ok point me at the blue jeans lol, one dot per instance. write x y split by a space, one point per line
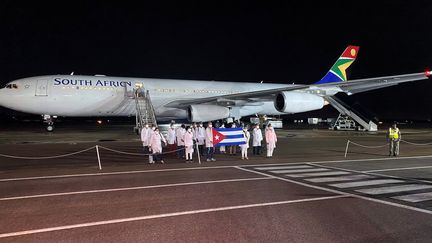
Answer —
210 152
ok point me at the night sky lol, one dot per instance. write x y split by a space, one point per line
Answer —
281 43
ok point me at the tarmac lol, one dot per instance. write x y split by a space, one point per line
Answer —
308 192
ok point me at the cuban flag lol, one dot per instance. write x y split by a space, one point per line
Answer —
228 136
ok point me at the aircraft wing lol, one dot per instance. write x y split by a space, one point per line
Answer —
349 87
362 85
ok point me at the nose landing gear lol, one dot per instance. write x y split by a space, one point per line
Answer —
49 120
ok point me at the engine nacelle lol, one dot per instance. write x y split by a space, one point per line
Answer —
295 102
203 113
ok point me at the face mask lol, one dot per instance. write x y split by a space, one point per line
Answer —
189 130
153 128
210 125
146 126
200 125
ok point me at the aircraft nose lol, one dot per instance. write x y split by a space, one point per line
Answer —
3 97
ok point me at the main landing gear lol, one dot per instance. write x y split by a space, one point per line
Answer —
49 120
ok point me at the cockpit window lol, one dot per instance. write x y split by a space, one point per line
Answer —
11 86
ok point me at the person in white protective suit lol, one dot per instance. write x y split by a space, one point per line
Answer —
201 138
156 141
271 140
209 142
188 142
244 147
171 139
180 143
257 137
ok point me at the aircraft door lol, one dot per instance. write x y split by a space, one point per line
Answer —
42 88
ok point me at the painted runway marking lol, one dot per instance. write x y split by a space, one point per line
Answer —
329 173
371 173
283 167
393 189
365 183
131 188
419 197
402 168
297 171
343 193
111 173
124 220
339 178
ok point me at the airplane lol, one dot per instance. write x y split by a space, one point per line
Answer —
195 100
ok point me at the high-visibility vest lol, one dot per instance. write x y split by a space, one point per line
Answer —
394 133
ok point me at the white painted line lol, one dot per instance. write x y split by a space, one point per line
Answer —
339 178
210 167
378 159
283 167
112 173
393 189
415 197
329 173
131 188
371 173
124 220
365 183
343 193
402 168
298 171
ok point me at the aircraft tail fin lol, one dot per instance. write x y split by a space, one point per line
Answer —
337 71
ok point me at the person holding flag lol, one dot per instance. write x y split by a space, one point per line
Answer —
228 137
222 149
209 142
244 147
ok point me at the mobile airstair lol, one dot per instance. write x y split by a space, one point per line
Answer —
145 113
347 114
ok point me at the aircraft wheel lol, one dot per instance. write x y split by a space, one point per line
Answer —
50 128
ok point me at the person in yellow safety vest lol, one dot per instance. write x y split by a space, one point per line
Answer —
394 137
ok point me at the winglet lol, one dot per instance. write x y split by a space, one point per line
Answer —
337 71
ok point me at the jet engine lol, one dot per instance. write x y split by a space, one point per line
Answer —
202 113
295 102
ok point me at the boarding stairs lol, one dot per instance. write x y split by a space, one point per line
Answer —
145 113
347 112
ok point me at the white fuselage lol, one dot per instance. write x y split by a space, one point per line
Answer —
80 96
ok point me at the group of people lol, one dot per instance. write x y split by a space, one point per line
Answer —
183 140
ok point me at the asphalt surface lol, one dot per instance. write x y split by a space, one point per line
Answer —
309 192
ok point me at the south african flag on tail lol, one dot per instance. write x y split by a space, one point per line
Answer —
337 71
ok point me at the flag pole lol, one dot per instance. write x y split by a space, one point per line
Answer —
199 157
